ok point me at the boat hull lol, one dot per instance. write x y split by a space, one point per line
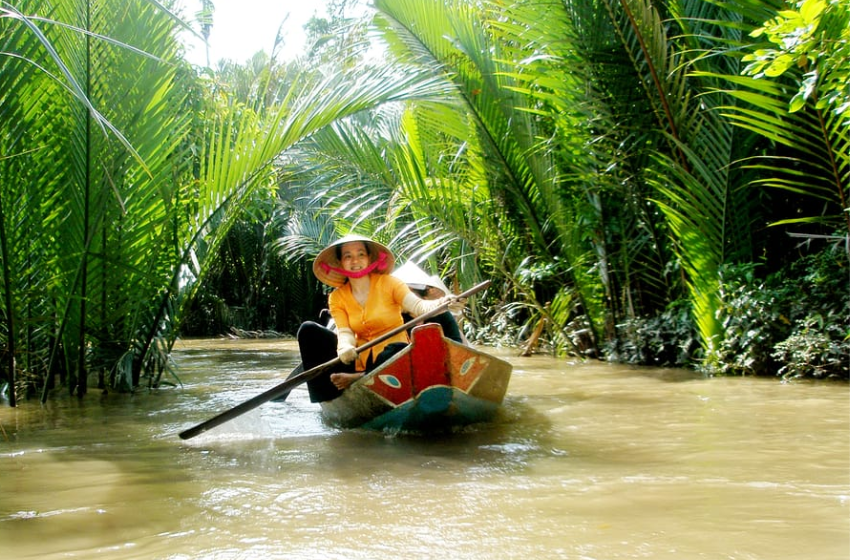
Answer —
433 384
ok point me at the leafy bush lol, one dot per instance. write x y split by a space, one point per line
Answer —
669 339
755 316
793 323
819 348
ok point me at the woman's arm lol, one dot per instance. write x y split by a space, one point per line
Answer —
416 306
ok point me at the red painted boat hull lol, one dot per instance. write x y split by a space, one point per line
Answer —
433 384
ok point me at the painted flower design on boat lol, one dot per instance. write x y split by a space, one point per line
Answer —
390 380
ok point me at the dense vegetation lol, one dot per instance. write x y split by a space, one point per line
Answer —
659 183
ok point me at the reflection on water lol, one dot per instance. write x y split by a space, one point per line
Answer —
584 461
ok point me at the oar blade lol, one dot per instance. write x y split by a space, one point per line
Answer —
283 388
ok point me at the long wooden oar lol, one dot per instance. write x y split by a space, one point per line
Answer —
305 376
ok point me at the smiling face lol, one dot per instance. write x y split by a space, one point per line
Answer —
354 256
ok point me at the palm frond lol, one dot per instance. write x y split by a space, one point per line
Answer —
816 162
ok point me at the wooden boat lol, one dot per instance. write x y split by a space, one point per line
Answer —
434 384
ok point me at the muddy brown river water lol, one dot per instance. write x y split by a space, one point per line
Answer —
586 461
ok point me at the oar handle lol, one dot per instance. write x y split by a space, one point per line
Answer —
305 376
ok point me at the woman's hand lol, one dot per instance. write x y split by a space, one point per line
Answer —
345 346
456 304
347 354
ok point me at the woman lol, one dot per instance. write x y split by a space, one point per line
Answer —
366 303
432 287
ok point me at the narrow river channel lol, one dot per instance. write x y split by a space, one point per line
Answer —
587 461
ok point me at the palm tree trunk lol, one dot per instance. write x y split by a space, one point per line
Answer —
82 370
10 312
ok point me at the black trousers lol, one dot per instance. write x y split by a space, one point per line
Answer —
317 345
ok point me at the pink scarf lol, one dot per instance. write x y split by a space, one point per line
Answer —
380 264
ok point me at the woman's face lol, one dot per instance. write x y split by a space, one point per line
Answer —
432 293
354 256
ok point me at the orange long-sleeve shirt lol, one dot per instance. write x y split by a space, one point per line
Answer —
382 313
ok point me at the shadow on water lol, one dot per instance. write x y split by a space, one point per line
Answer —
514 439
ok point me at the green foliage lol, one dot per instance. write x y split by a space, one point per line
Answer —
796 97
818 348
790 323
589 139
88 185
692 151
669 339
815 38
253 286
338 38
118 190
754 317
605 160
